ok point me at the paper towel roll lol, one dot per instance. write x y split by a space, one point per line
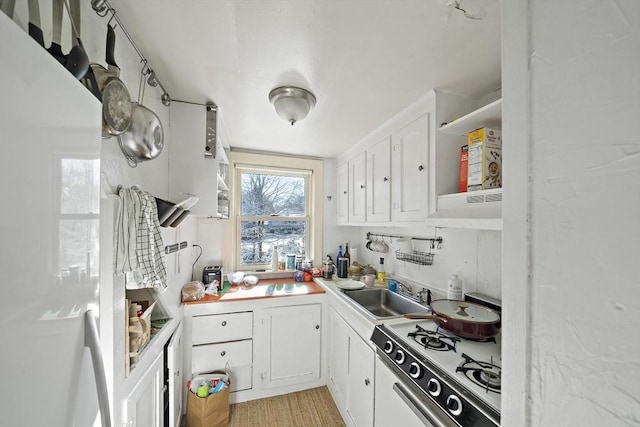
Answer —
354 254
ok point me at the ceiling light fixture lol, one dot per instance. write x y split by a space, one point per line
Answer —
292 103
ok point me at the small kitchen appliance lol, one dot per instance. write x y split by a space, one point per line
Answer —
456 380
211 274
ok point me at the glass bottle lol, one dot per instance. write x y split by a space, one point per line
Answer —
347 255
381 278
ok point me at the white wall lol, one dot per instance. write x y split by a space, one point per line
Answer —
475 255
582 272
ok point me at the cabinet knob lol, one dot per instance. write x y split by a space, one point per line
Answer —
366 381
385 179
344 192
420 168
317 326
222 353
224 323
361 185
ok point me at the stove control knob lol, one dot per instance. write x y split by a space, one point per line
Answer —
388 347
454 405
433 385
400 357
415 371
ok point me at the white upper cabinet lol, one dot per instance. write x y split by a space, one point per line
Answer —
190 171
410 176
357 188
408 170
342 188
378 182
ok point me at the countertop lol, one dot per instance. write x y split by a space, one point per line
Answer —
266 288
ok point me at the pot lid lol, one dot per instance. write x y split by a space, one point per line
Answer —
465 311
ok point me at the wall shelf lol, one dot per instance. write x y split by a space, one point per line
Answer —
488 116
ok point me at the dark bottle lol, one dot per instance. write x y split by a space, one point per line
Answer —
342 268
339 252
346 254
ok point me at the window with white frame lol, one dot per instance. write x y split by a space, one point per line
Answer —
274 209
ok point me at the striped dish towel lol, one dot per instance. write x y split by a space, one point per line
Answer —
138 247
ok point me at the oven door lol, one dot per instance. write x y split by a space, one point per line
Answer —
398 404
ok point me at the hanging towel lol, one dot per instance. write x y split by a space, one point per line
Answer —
138 249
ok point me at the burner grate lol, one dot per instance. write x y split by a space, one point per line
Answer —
487 375
433 340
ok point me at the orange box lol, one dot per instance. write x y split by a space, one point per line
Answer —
464 168
485 159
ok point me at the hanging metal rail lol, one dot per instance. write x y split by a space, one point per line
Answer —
103 8
437 240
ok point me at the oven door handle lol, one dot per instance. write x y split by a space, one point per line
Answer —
426 414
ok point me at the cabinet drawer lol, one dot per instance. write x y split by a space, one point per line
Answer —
222 327
234 357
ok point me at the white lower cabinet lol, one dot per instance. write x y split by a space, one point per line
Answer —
143 407
351 373
293 337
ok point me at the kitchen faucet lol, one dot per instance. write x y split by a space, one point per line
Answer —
407 288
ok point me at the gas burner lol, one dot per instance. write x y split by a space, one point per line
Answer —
487 375
433 340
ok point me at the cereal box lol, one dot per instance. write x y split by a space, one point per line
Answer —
485 159
464 168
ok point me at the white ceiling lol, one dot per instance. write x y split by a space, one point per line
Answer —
364 60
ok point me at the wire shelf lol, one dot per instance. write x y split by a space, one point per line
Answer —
415 257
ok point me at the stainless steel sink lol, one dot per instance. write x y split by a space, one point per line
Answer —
381 303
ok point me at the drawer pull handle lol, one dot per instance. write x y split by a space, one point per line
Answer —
222 353
420 168
366 381
224 323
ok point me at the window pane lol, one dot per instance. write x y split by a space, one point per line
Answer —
80 190
264 194
258 237
76 249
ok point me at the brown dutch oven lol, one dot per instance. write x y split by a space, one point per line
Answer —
465 319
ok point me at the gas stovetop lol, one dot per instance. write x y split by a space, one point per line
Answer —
475 365
459 375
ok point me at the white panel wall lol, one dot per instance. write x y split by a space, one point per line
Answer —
475 255
583 275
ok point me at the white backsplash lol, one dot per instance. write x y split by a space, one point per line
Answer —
475 255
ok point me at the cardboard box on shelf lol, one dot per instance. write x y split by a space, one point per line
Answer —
485 159
464 168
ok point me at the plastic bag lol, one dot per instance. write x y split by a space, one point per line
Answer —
193 291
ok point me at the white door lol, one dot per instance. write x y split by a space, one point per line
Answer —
144 405
357 188
360 383
342 187
176 382
379 181
293 354
409 153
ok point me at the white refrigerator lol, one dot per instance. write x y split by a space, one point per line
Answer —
50 367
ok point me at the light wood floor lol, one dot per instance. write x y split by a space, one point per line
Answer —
307 408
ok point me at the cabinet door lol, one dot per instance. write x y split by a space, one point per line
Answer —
409 153
175 380
293 353
360 382
342 188
338 359
189 170
357 187
144 405
378 184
